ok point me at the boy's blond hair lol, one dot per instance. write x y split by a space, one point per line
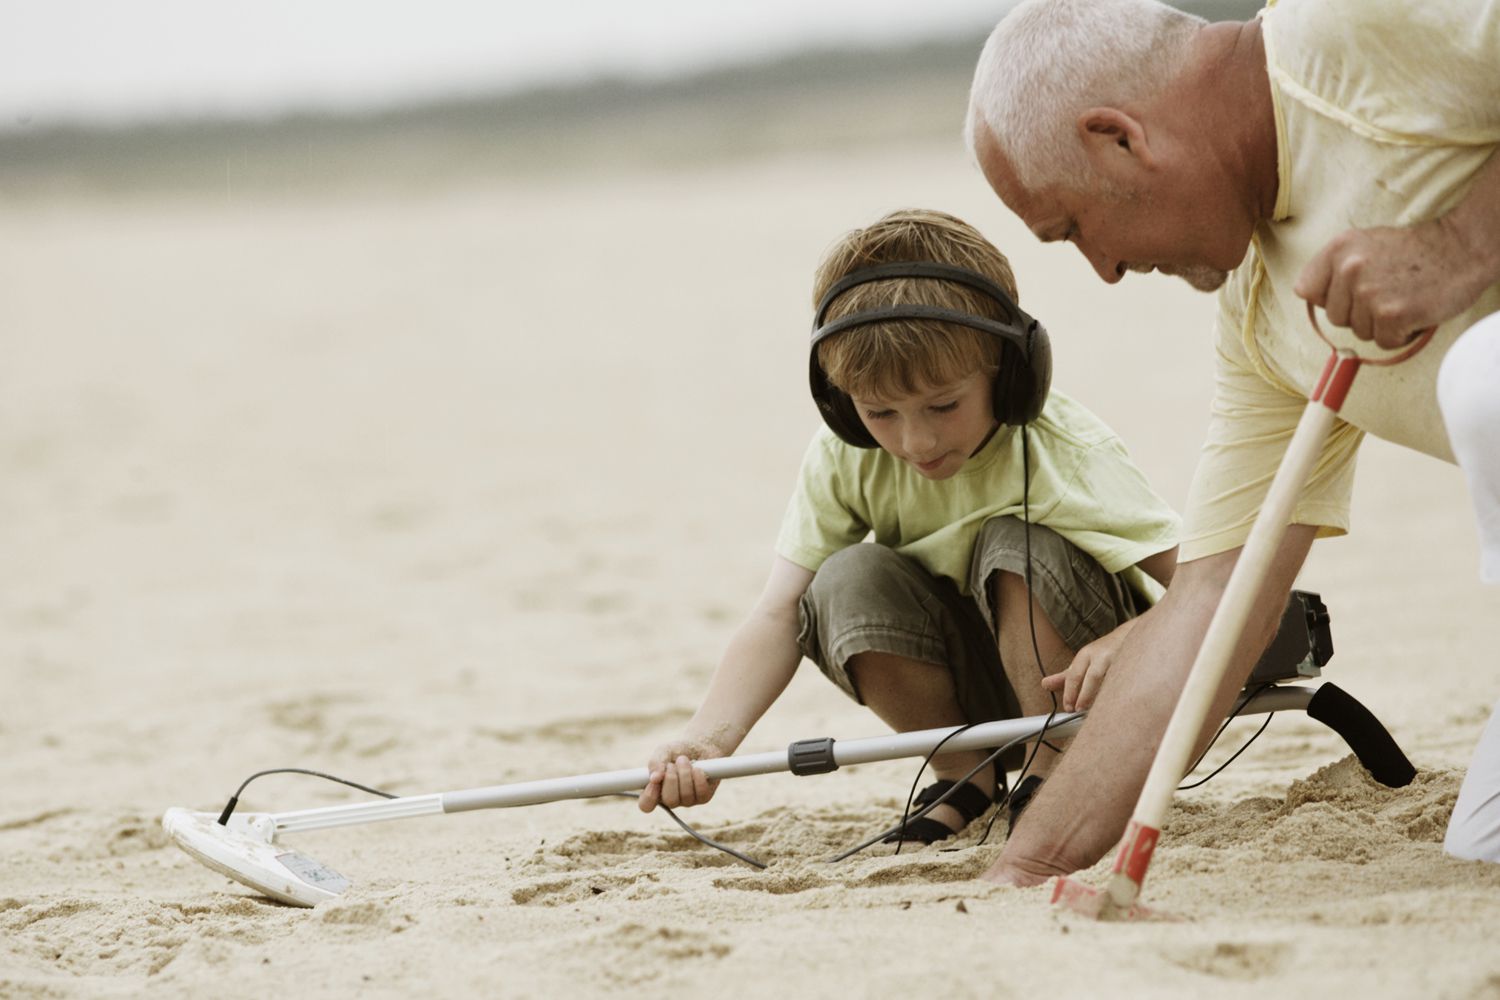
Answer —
902 356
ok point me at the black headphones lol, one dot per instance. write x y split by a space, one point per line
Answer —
1025 352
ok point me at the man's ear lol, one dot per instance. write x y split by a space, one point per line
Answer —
1114 140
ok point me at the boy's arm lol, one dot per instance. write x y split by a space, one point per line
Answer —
756 667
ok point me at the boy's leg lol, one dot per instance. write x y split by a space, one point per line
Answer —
1016 611
1071 601
895 639
909 694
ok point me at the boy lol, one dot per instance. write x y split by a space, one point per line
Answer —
930 623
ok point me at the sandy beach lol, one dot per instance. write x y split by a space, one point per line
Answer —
469 485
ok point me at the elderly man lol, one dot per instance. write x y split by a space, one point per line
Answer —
1337 152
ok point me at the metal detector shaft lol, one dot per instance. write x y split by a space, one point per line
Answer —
795 758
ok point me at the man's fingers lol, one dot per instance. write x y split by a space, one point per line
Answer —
1091 685
1337 300
1312 283
1054 681
1075 677
1361 320
1394 331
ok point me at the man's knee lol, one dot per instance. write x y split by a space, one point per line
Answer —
1474 830
1471 413
1475 837
1466 386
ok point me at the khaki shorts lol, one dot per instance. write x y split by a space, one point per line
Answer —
869 598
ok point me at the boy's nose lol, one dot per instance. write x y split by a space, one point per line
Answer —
919 441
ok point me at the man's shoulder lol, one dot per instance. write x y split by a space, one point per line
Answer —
1334 26
1398 69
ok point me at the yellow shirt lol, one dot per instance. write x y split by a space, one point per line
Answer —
1385 112
1083 486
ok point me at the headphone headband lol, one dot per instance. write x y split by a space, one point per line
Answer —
919 269
1020 387
1020 335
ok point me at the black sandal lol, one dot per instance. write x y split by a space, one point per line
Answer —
969 802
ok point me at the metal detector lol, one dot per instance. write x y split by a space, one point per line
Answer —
245 846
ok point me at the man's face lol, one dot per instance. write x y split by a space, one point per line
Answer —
1119 228
935 429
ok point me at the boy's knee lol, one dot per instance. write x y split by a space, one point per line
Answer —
1068 588
862 575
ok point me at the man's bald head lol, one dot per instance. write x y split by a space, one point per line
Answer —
1048 61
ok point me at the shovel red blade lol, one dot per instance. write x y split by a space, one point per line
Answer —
1096 904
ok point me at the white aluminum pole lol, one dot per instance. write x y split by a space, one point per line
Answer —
845 752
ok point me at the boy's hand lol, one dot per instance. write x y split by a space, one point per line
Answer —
674 780
1080 683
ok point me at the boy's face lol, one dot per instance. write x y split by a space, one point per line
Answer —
936 429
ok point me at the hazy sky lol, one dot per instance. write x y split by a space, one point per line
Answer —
118 60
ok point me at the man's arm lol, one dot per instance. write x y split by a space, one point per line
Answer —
1161 566
1081 810
1386 283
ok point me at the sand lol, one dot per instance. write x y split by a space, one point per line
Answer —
467 487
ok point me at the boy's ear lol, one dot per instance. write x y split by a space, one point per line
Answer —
1114 141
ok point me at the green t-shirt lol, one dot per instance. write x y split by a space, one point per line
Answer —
1083 486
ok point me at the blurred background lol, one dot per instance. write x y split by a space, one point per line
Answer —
224 99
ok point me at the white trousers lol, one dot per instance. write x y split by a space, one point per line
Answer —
1469 395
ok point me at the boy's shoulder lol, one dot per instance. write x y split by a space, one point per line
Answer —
1069 421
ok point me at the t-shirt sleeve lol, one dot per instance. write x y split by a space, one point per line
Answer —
1109 510
820 518
1251 422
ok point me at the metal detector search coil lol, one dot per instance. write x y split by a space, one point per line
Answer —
243 850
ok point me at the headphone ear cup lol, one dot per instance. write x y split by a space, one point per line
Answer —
842 418
835 406
1023 383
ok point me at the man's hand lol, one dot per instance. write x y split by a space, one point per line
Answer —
1081 681
1388 284
675 781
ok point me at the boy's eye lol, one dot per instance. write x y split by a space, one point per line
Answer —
878 414
945 407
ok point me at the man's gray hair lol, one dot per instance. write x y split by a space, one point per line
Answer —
1047 61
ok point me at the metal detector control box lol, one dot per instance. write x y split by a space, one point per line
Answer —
1303 643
